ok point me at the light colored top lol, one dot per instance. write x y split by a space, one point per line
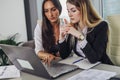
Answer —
82 44
38 38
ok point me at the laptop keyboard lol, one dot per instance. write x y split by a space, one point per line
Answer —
57 69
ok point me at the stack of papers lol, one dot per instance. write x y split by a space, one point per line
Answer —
81 62
93 74
9 72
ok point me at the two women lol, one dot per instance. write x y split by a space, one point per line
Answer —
86 35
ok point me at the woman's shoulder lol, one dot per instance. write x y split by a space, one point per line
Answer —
39 21
102 25
38 26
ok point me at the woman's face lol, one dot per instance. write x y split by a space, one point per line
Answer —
51 12
73 13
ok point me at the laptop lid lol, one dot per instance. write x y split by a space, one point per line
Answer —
25 59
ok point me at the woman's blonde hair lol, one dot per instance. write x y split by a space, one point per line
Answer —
89 16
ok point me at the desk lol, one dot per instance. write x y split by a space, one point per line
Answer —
26 76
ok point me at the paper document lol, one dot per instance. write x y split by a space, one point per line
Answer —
81 62
93 74
9 71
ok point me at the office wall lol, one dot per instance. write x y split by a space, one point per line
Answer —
39 8
33 15
111 7
64 13
98 6
32 7
12 19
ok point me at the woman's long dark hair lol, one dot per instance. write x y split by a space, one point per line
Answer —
48 39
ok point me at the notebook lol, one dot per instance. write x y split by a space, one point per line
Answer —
81 62
25 59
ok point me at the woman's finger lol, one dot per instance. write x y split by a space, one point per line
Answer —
66 22
51 58
46 59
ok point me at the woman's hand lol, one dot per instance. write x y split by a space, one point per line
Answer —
69 29
73 31
46 57
63 30
62 25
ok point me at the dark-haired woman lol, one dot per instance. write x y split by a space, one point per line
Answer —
46 34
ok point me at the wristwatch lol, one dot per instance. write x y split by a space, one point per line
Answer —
81 37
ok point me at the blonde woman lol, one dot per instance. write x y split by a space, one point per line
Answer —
87 33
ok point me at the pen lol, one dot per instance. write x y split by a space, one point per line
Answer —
77 61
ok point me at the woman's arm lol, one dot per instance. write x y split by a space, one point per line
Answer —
64 48
95 50
38 38
46 57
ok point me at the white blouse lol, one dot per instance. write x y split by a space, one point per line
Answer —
38 38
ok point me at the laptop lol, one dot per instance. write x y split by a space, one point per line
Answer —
25 59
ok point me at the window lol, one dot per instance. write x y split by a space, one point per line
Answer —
111 7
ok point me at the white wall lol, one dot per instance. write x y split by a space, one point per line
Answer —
12 19
98 6
64 13
39 9
111 7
